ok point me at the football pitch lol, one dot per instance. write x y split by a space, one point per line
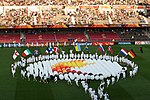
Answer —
136 88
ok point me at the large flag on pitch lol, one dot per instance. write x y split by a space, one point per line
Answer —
78 47
110 49
56 50
131 53
15 55
124 52
36 52
101 49
87 48
49 50
26 53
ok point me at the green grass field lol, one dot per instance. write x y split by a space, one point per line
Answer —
137 88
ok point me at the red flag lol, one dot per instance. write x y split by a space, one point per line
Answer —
101 49
56 50
15 55
132 54
110 49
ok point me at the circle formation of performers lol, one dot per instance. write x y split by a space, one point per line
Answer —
77 68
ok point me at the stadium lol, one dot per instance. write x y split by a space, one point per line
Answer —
74 49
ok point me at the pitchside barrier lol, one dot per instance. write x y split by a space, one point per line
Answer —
124 43
8 45
142 42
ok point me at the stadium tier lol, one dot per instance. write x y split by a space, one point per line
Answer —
9 38
63 37
132 35
57 37
108 36
40 38
74 35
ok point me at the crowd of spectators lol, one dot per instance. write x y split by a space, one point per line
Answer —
69 15
69 2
